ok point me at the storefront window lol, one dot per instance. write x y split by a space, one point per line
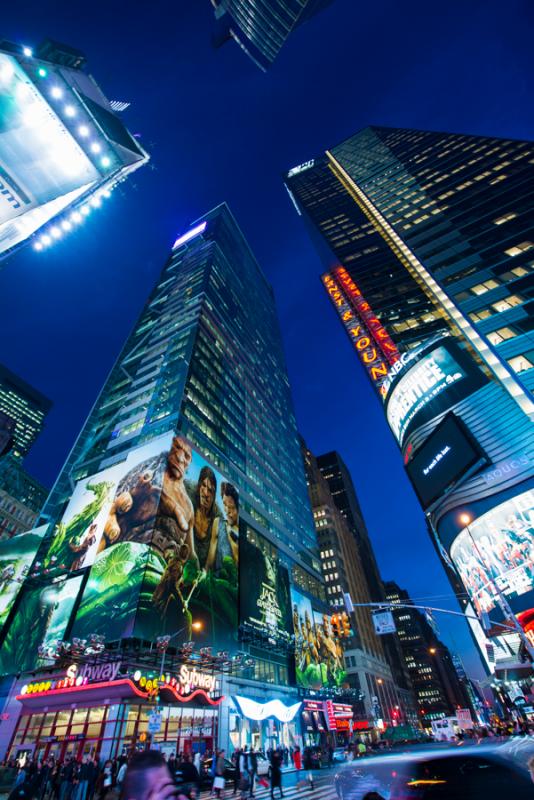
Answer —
96 714
48 723
63 719
174 723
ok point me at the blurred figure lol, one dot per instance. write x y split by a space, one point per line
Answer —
277 759
148 778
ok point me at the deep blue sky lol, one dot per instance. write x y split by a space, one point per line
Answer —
219 129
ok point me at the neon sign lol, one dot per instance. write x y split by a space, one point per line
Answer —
272 708
76 676
376 350
196 231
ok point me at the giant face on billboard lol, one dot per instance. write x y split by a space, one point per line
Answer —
42 166
497 549
441 376
319 657
264 601
167 556
16 557
41 619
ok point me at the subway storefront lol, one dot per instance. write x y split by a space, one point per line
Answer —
122 710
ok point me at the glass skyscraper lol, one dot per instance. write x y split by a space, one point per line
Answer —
23 405
427 242
261 27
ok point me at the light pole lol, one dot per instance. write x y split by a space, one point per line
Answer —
162 642
465 519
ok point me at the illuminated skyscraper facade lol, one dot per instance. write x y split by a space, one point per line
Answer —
427 243
62 149
261 27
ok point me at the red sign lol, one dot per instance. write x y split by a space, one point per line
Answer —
361 725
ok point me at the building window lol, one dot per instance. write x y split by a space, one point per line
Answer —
481 288
522 362
483 313
507 302
517 249
505 218
500 335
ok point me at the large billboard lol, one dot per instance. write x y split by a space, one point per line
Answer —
442 460
319 657
264 600
42 166
441 376
168 553
41 619
16 557
497 550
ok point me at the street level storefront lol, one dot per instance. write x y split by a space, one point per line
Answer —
108 710
264 725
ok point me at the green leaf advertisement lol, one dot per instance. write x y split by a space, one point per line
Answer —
16 557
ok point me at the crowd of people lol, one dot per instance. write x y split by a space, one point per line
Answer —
71 779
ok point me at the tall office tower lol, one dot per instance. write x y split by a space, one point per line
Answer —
339 480
344 572
21 498
184 556
437 686
261 27
62 149
427 243
24 408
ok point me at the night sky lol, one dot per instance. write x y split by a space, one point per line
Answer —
219 129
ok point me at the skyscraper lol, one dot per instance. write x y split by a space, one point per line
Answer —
369 668
261 27
179 548
25 406
427 244
437 686
62 148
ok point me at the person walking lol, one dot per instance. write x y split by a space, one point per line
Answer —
218 781
252 771
309 764
277 759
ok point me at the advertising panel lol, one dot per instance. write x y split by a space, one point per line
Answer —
16 557
319 657
444 458
264 601
498 548
41 619
438 379
110 506
191 579
42 166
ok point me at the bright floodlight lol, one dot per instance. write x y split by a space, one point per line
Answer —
27 51
76 216
95 201
46 239
106 194
42 72
86 210
70 111
38 246
105 161
56 232
66 225
95 147
56 92
83 130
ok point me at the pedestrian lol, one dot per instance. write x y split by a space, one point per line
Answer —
66 779
362 749
82 778
330 756
297 760
148 778
218 780
252 771
106 780
190 774
197 761
277 759
309 764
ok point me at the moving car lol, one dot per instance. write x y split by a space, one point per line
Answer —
466 773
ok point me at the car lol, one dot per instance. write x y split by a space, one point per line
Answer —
466 773
339 755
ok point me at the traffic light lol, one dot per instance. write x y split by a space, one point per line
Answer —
336 625
345 625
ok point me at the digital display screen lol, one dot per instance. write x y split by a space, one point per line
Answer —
495 550
319 655
442 460
438 379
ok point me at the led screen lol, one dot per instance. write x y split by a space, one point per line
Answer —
41 619
168 556
441 461
497 548
40 160
319 658
439 379
16 557
264 601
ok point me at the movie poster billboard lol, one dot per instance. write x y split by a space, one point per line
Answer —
16 557
497 549
41 619
168 553
264 601
191 580
319 658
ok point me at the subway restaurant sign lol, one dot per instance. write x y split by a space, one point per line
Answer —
76 675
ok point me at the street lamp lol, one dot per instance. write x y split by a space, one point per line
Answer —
162 642
432 651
